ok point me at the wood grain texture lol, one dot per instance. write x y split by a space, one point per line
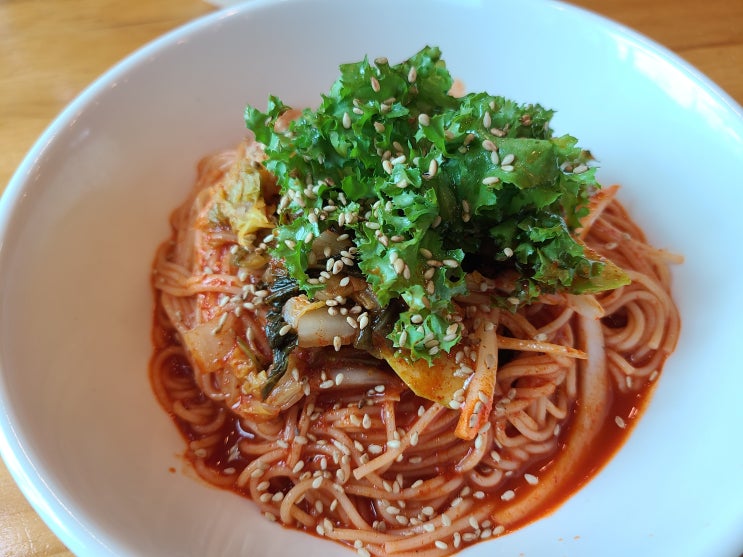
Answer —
50 51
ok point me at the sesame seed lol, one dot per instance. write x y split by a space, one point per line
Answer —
580 169
424 119
387 166
374 448
490 180
327 384
508 495
403 338
374 84
399 266
531 479
284 330
507 167
488 145
393 444
346 120
440 544
379 126
479 442
412 74
620 422
298 467
433 168
508 159
486 120
451 263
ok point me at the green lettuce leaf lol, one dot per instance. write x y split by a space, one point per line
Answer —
414 174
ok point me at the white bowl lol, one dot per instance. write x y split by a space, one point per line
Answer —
81 431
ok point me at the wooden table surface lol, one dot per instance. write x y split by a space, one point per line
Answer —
50 51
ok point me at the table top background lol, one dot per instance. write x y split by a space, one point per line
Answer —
50 51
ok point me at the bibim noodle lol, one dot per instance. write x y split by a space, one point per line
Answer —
341 447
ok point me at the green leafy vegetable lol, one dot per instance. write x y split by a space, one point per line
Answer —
423 183
281 344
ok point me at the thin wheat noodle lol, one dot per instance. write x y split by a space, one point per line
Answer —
381 467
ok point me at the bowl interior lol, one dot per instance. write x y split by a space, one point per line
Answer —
80 222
